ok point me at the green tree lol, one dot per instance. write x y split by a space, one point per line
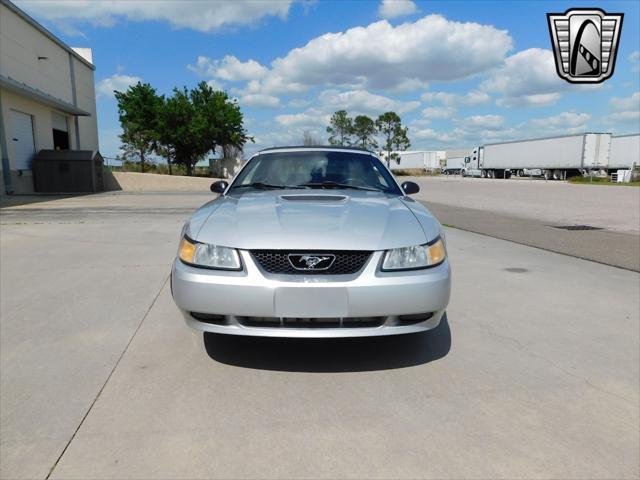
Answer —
364 130
223 118
138 111
193 123
340 128
394 135
178 130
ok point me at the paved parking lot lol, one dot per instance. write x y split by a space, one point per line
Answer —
534 212
534 374
613 208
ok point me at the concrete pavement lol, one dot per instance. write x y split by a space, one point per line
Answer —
614 208
611 247
535 373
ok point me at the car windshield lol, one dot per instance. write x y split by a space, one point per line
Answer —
316 169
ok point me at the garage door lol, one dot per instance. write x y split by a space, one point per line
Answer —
22 140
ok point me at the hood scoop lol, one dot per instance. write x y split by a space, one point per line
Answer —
314 198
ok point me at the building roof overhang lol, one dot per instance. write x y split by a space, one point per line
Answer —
25 90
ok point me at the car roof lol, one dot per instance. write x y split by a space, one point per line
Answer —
315 148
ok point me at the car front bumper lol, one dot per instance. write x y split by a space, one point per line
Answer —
368 303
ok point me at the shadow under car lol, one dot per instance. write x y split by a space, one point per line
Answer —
330 354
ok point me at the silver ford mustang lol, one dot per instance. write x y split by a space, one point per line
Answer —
312 242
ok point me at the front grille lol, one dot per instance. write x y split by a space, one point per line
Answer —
277 261
295 322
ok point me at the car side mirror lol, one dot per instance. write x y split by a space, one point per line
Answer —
219 187
410 188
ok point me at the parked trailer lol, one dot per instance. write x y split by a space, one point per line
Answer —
453 166
428 160
552 157
625 151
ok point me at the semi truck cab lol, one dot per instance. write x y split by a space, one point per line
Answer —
473 163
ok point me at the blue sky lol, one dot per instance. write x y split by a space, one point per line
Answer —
459 73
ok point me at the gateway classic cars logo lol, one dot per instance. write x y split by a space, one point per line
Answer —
585 43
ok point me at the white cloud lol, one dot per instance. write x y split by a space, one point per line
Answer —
421 122
631 102
68 28
625 109
488 122
197 15
396 8
388 57
562 122
260 100
423 133
310 118
471 99
527 78
117 82
299 103
438 112
624 117
229 68
462 137
362 101
215 84
409 85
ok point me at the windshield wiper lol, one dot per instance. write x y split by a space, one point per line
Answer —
330 184
266 186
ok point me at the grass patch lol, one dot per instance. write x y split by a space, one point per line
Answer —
414 172
602 181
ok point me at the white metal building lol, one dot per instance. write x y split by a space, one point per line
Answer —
47 96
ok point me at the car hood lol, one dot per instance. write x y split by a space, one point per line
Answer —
318 220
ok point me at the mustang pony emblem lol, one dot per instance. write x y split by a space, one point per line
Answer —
311 262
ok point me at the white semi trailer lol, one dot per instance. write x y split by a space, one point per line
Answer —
552 157
454 165
428 160
625 151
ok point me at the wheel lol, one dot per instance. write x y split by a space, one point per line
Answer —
483 174
520 173
507 174
463 173
491 174
547 174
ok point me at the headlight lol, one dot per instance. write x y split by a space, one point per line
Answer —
208 256
418 256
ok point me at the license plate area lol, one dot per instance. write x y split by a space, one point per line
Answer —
326 302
